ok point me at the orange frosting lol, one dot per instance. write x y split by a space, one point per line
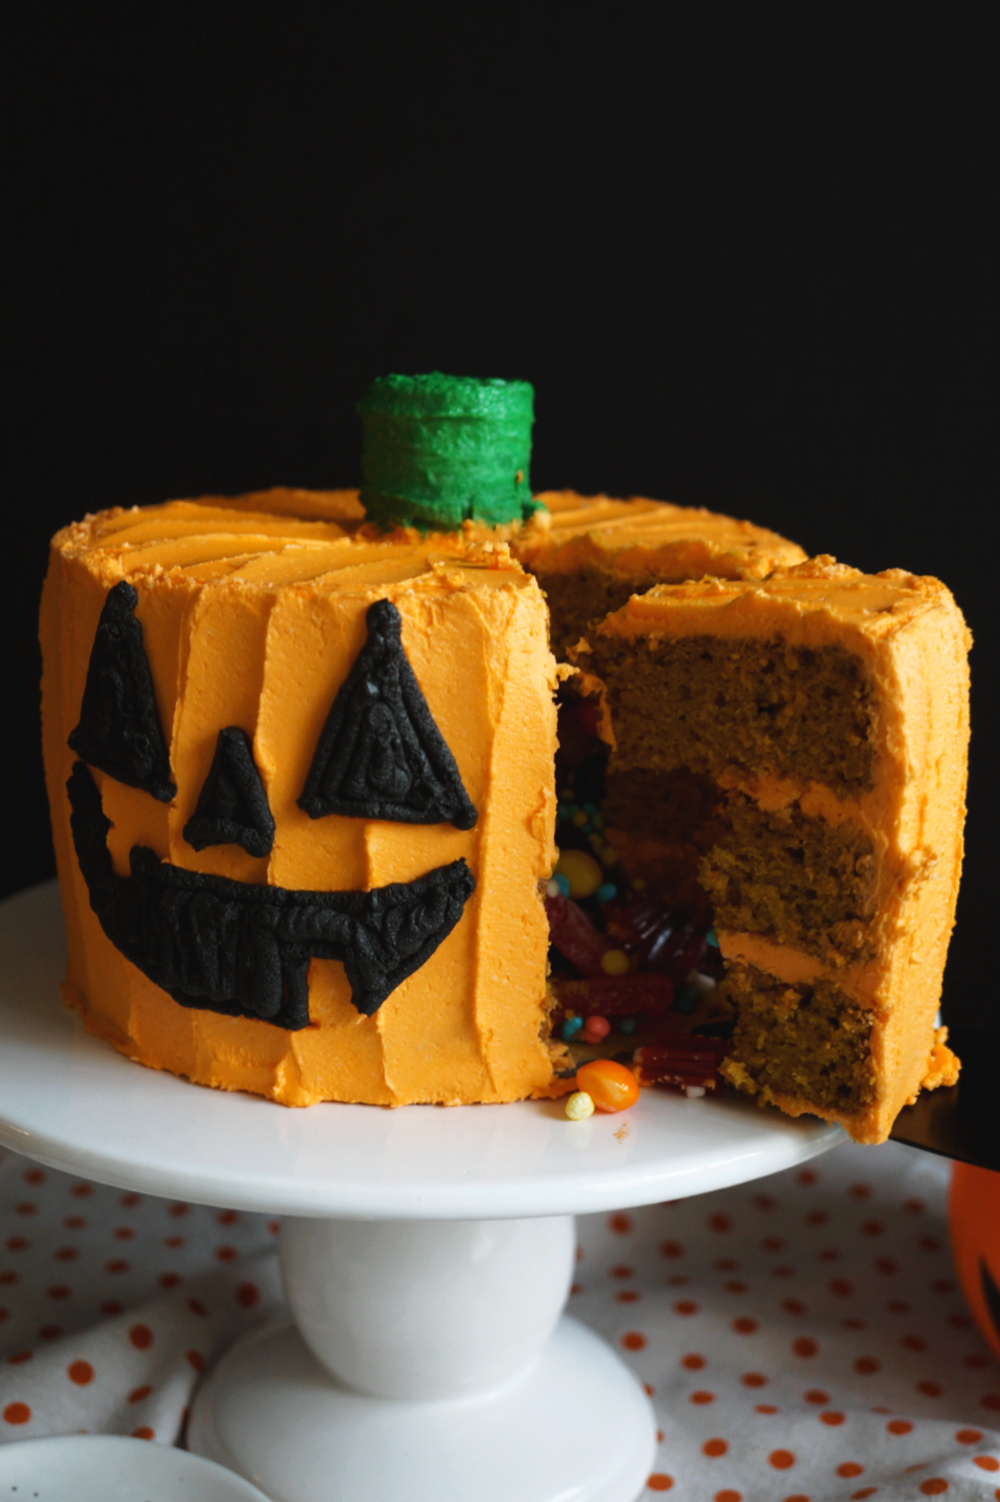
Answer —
252 614
914 642
638 537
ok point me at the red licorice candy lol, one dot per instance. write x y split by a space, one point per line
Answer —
680 1059
575 937
615 995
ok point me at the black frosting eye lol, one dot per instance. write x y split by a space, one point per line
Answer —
119 729
380 754
232 807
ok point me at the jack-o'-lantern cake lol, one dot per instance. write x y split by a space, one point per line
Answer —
302 759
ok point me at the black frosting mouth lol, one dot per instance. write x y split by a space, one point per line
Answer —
244 950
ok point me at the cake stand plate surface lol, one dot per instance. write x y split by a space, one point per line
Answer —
427 1254
68 1100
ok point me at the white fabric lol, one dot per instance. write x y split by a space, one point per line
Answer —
803 1336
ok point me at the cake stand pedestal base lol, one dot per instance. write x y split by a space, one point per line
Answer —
429 1362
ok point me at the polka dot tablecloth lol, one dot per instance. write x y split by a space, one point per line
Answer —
803 1337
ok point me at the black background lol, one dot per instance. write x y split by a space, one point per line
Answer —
746 254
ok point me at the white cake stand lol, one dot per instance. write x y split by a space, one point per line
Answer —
427 1254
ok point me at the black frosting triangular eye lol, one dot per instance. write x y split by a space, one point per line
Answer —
380 755
119 729
232 807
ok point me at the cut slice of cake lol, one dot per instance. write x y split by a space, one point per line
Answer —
830 710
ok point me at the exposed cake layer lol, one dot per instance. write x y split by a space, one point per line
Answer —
808 1044
831 708
811 885
591 553
253 618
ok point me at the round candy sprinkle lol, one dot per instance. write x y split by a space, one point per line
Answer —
626 1025
614 962
571 1027
612 1087
580 819
579 1106
606 892
439 450
712 938
581 871
694 1092
596 1029
561 884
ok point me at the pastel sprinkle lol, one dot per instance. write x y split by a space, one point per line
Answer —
606 892
553 889
694 1092
596 1029
626 1025
614 962
581 871
579 1106
712 938
561 884
571 1027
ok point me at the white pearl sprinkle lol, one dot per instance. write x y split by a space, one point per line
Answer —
694 1092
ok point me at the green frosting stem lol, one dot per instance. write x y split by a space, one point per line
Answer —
440 450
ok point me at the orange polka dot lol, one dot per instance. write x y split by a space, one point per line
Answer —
933 1486
929 1389
843 1287
66 1254
736 1287
693 1362
123 1233
576 1288
765 1408
815 1396
82 1191
128 1200
620 1224
141 1337
139 1394
174 1241
18 1357
799 1497
831 1417
720 1222
627 1296
782 1460
671 1249
754 1379
144 1433
885 1265
793 1306
111 1307
119 1265
179 1209
860 1191
702 1397
35 1176
744 1325
986 1462
649 1391
686 1306
969 1436
621 1271
659 1482
196 1359
866 1365
804 1347
633 1340
227 1217
807 1176
226 1253
728 1496
772 1243
49 1332
899 1426
169 1280
17 1413
714 1447
196 1306
866 1491
850 1468
80 1372
914 1342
